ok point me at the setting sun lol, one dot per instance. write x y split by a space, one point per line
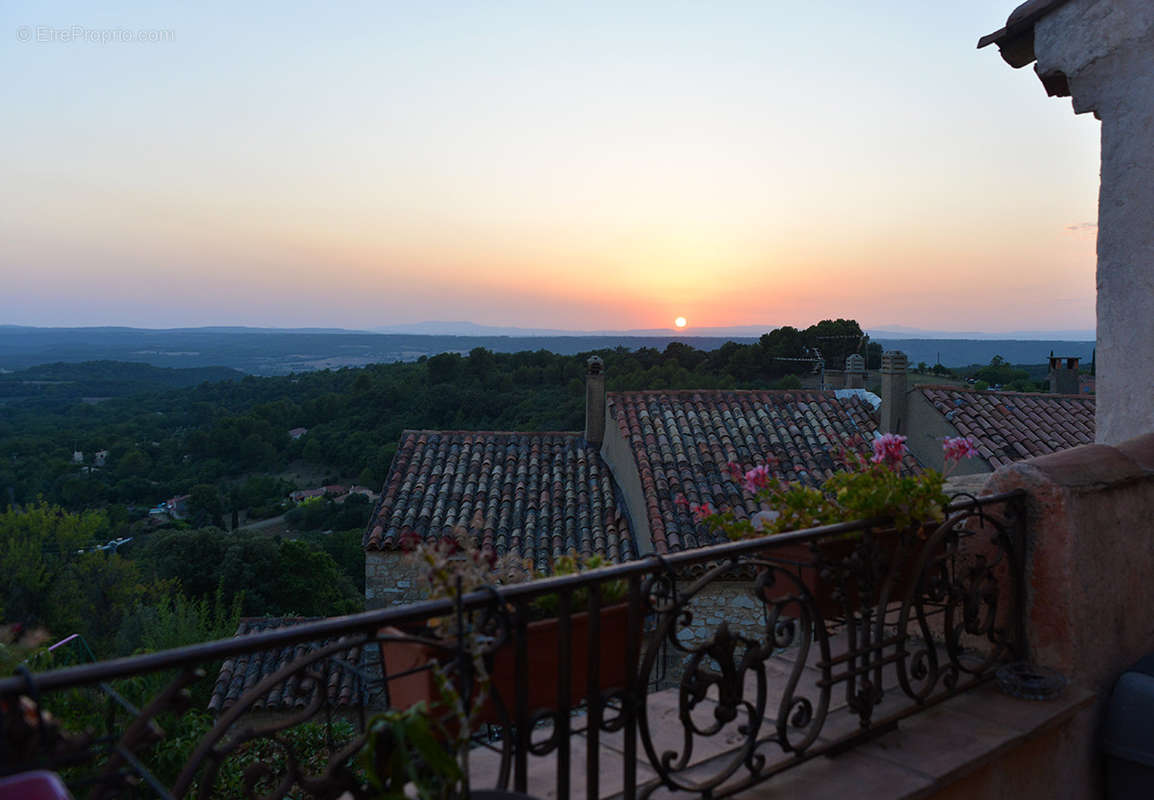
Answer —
680 322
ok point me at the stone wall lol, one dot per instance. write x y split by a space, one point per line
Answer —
724 601
1104 51
390 581
1090 556
1090 573
730 602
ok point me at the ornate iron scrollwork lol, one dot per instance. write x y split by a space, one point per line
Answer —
910 612
864 624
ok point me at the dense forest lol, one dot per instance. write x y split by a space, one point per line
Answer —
232 437
77 536
99 380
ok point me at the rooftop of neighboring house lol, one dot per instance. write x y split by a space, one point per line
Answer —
239 674
1010 426
683 441
538 495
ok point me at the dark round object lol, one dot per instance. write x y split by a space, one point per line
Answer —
1030 682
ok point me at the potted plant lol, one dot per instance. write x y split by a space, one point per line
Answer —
455 564
407 747
422 752
879 488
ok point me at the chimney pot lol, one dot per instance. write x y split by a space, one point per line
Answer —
594 400
894 400
1064 377
854 371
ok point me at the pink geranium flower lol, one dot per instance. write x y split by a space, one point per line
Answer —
889 449
959 447
757 479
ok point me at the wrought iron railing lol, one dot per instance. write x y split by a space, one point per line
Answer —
778 650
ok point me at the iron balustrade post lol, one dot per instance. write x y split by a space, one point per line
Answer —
521 699
1019 548
593 698
634 687
564 673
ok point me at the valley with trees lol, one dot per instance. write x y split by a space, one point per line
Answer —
78 533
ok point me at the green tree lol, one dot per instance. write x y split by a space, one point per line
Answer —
175 620
52 577
38 546
92 596
133 464
836 339
443 367
310 583
313 514
192 559
205 505
347 551
1000 373
352 513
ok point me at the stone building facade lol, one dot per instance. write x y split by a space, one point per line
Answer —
1100 53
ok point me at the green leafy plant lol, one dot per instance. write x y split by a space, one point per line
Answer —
456 562
408 747
878 488
611 591
422 750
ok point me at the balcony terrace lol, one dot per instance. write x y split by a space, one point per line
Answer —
860 659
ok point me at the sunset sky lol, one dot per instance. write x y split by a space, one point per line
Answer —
564 165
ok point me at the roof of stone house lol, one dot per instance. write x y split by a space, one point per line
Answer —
239 674
538 495
683 442
1010 426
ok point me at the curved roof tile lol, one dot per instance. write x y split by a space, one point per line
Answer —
530 490
1011 426
239 674
683 441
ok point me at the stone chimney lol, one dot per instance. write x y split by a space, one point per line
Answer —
1063 375
595 400
854 371
894 400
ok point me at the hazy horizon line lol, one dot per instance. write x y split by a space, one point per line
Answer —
467 329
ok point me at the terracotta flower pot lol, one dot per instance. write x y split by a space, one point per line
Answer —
542 637
798 558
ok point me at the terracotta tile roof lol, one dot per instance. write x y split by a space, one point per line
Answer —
1010 426
682 442
238 675
540 495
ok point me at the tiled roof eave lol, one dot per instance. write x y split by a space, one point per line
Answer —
538 494
682 440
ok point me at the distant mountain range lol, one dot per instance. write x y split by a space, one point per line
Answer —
276 351
905 332
434 328
443 328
